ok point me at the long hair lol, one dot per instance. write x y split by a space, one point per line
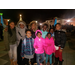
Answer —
9 30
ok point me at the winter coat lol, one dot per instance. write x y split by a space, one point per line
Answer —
39 42
27 47
49 46
20 33
60 38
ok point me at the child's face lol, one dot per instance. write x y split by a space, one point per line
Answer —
58 27
51 31
12 25
44 28
28 34
33 26
49 35
39 35
21 26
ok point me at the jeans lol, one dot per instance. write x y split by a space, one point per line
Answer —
38 60
13 52
50 58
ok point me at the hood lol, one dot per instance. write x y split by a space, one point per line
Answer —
21 22
31 24
37 31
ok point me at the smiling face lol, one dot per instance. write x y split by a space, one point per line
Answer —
39 34
28 34
44 28
49 35
12 25
58 27
21 26
51 31
33 26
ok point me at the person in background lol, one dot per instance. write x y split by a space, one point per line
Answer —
1 31
39 47
60 40
33 27
20 34
27 51
49 47
44 30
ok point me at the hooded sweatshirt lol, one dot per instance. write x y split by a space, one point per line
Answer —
39 42
20 33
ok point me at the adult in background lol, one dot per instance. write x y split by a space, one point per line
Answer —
20 34
33 27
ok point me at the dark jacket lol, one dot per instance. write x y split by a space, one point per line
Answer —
60 38
33 34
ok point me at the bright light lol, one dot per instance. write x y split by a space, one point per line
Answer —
40 23
1 13
36 21
20 15
8 20
68 20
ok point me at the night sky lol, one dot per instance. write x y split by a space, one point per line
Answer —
40 15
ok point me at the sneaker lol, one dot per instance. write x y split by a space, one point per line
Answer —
40 63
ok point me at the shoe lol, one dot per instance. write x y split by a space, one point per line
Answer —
11 62
56 61
60 62
40 63
15 63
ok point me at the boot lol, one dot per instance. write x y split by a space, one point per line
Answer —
15 62
60 62
56 61
11 61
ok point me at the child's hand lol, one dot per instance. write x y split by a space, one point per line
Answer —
60 50
22 57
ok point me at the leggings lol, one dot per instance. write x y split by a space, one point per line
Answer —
50 58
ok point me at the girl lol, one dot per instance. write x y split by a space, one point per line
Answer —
12 43
20 33
49 47
39 47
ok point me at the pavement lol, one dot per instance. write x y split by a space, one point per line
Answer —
68 52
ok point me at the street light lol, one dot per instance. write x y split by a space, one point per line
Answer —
36 21
68 20
8 20
40 23
20 15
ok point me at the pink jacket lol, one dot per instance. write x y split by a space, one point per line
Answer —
39 42
49 46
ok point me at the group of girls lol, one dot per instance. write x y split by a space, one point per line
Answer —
30 46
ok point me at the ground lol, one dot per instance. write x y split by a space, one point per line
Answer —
68 52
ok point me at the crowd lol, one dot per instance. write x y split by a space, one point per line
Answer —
33 46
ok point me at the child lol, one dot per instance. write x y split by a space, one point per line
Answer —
49 47
12 43
52 34
27 52
60 40
44 32
33 27
39 47
20 34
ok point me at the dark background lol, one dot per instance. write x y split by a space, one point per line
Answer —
36 14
